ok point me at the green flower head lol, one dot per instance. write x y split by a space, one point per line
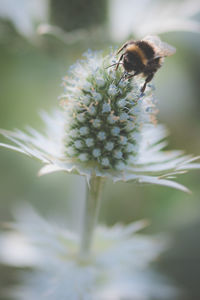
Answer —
104 114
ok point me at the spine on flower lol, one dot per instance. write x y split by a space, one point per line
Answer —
104 118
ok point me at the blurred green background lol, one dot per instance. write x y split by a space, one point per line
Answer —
31 68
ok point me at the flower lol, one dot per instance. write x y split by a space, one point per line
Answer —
132 18
107 128
151 17
118 266
25 18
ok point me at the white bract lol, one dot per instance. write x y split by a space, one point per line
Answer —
113 135
117 268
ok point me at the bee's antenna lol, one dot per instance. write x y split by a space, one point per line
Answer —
114 65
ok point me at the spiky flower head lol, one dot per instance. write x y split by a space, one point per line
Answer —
105 115
106 128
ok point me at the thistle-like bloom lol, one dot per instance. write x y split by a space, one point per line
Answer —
107 128
119 266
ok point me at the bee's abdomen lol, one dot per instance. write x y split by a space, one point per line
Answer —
146 49
152 66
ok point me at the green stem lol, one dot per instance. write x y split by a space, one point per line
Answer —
91 211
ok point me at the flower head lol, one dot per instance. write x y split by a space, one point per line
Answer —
103 117
106 128
118 267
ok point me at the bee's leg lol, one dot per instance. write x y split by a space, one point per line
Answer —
128 76
148 79
118 63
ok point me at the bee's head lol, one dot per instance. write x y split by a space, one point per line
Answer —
132 61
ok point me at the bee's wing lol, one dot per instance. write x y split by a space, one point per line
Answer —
162 49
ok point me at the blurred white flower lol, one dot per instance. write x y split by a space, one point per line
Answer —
128 17
24 14
109 134
140 18
117 268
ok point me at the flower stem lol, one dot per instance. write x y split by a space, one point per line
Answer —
91 211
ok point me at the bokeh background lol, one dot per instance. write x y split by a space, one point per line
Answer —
39 40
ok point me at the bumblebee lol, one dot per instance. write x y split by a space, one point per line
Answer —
143 57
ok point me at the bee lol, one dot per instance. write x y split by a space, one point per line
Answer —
143 57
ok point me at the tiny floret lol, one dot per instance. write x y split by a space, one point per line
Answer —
85 99
105 162
73 133
101 135
123 140
112 90
111 119
97 96
92 110
81 117
115 131
96 152
106 108
121 103
71 151
96 123
78 144
124 116
89 142
84 130
118 154
87 86
109 146
130 126
100 82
